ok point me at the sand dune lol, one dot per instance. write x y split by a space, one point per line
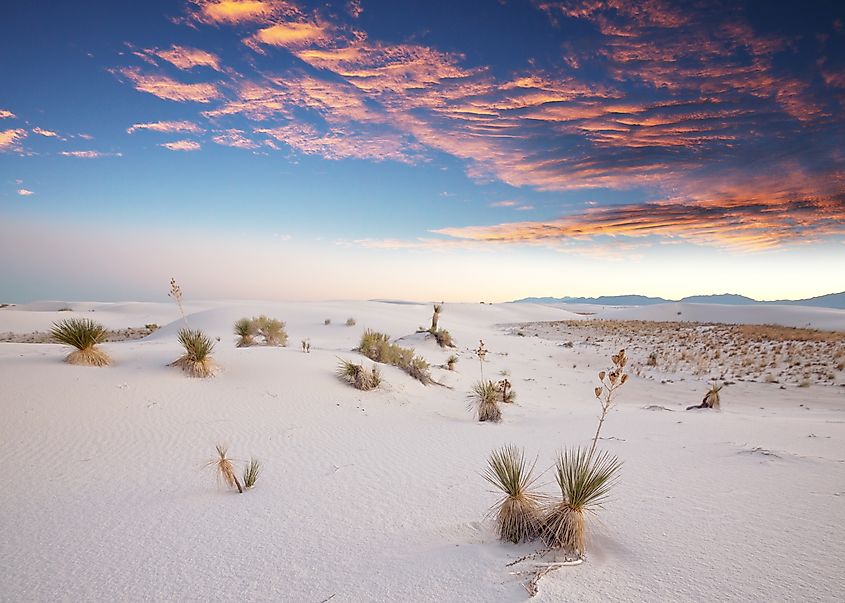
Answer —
378 495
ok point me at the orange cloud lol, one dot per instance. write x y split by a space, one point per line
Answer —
292 34
6 114
235 11
166 126
10 139
181 145
170 89
188 58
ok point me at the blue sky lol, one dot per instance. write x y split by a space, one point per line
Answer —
437 150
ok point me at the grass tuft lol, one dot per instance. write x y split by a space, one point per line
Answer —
483 400
196 361
585 480
251 473
83 334
357 376
225 469
519 511
377 347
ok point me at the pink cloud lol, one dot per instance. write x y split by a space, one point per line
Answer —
166 126
10 139
45 133
89 154
181 145
4 114
24 192
184 57
169 89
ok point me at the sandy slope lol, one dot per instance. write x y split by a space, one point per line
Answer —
377 495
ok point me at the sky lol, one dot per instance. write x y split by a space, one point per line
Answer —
458 151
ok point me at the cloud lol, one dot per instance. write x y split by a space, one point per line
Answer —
181 145
234 138
24 192
169 89
238 11
45 133
4 114
292 34
89 154
10 139
184 57
166 126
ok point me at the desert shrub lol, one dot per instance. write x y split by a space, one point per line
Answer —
377 347
351 322
272 330
451 361
151 326
483 400
246 329
359 377
519 510
652 359
327 322
225 469
506 391
251 473
196 361
585 480
443 338
84 335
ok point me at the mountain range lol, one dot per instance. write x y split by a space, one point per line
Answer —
831 300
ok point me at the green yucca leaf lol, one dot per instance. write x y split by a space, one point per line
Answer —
586 479
198 345
81 333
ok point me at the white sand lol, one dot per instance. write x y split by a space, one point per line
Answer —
377 496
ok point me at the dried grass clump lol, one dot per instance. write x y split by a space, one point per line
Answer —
84 335
196 361
519 511
272 330
483 400
359 377
246 330
377 347
506 391
585 479
443 338
327 322
225 469
251 473
351 322
711 398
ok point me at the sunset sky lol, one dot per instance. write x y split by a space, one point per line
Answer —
462 151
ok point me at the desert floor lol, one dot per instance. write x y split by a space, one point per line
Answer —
378 496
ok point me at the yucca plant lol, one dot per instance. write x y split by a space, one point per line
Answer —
443 338
251 472
374 345
225 469
357 376
435 317
585 479
506 391
272 330
196 361
418 369
377 347
84 335
351 322
451 361
519 510
484 401
246 330
711 398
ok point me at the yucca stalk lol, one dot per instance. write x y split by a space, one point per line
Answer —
196 361
585 479
246 330
225 469
435 317
251 472
483 400
84 335
519 510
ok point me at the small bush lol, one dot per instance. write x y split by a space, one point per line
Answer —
196 361
327 322
377 347
351 322
84 335
518 512
246 330
585 480
443 338
272 330
484 401
451 361
359 377
225 469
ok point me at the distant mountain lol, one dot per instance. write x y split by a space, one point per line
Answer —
728 299
831 300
